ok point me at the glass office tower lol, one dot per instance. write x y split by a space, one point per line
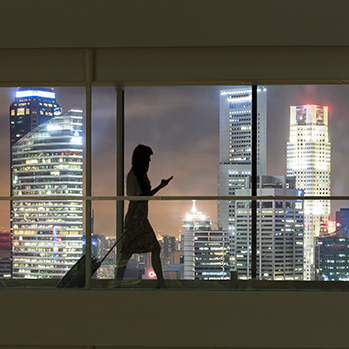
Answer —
47 234
235 150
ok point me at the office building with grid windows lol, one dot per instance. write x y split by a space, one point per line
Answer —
47 234
279 231
206 251
309 161
235 150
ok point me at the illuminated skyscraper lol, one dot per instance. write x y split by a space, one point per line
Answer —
47 234
279 231
206 251
235 151
32 107
309 160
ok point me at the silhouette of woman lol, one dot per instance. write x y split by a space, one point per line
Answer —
139 235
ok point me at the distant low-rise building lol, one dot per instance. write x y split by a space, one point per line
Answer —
206 251
5 254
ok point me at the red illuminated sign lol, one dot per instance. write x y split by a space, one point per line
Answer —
151 274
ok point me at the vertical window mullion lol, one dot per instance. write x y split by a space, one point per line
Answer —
120 118
254 183
88 168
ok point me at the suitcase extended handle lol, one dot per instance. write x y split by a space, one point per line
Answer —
116 242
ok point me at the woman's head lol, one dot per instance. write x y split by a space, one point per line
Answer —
141 158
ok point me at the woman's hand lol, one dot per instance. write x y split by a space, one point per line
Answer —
164 182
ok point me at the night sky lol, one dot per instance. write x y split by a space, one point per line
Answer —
181 124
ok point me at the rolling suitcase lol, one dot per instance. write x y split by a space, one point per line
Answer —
75 277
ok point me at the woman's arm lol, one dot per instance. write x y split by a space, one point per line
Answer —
163 184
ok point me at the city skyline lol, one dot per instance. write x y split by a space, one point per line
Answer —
194 160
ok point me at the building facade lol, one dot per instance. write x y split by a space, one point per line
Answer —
5 254
206 251
235 150
342 218
47 234
279 232
309 161
334 255
32 107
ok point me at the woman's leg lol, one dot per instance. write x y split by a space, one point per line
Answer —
156 263
122 264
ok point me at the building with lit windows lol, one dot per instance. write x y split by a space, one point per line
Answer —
206 251
5 254
235 154
47 234
309 161
342 218
279 231
32 107
334 255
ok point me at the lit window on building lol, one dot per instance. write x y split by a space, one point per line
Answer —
20 111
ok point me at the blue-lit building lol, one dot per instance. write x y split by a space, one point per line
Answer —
32 107
334 256
342 218
47 234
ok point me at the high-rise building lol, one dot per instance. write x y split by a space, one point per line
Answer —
169 245
279 231
334 255
32 107
206 251
342 218
5 254
47 234
309 161
235 149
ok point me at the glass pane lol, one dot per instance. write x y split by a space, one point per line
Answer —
104 237
192 247
181 125
103 141
306 142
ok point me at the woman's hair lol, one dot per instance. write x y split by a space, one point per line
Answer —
140 162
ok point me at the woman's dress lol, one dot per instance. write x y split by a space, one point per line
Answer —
139 235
